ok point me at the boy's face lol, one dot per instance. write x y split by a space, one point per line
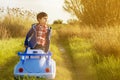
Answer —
43 20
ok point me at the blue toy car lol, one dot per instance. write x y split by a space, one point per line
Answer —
35 63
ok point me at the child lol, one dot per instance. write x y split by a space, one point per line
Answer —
38 36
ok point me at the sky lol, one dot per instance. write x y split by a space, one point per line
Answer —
54 8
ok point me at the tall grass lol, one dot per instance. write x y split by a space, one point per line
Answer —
15 23
107 68
106 44
4 34
106 41
80 51
8 57
95 51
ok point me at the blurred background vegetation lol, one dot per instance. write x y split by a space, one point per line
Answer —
86 48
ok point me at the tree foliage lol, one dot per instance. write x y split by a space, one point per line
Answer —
59 21
95 12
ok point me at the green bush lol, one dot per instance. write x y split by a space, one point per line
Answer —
58 21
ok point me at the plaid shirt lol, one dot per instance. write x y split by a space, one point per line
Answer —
41 34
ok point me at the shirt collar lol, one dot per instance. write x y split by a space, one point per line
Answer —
39 25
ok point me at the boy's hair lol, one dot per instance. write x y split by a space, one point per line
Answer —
41 14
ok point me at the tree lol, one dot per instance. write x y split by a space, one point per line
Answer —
58 21
94 12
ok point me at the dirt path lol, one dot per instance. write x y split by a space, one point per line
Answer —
68 62
81 67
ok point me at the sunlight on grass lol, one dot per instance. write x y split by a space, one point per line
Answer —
62 72
84 48
107 68
9 48
8 56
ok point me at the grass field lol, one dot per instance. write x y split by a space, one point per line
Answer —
75 57
81 52
8 57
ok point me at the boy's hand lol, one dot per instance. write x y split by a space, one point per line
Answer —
25 46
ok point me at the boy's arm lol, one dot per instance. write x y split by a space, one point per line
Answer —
28 36
48 40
